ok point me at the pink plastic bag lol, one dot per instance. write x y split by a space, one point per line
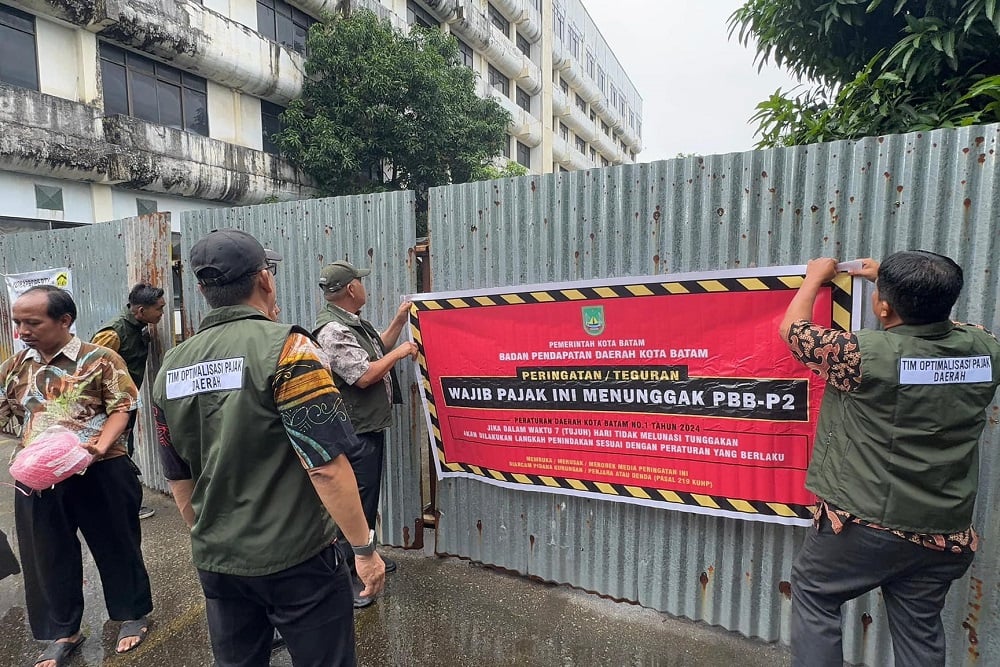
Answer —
52 456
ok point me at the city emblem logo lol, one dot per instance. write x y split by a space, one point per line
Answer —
593 320
62 279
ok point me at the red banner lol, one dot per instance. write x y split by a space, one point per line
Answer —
670 391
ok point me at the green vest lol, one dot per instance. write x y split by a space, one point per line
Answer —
902 449
256 511
133 344
369 408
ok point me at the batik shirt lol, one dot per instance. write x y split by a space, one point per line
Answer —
77 389
835 356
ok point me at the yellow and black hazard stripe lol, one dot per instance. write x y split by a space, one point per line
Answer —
842 292
640 492
842 305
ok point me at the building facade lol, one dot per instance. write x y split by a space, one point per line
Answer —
115 108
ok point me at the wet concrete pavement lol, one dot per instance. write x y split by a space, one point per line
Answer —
434 611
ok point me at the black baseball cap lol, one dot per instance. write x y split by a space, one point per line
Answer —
226 255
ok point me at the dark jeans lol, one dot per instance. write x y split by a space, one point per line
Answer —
367 460
310 604
832 569
103 504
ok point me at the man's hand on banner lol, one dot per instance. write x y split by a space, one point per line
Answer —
821 270
869 269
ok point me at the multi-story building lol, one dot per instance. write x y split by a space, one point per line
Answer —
113 108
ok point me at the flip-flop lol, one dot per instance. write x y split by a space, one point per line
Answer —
137 628
60 652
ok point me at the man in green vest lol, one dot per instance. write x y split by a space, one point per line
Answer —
362 360
252 438
128 335
895 464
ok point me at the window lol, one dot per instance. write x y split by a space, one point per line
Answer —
574 43
593 155
631 154
280 22
564 86
17 41
593 116
601 79
506 148
605 128
560 24
523 99
624 147
614 96
591 64
499 20
638 125
270 125
137 86
523 45
604 161
564 131
580 103
415 14
523 155
465 54
563 170
48 198
499 81
145 206
581 145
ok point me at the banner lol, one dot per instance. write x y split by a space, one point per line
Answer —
19 283
669 391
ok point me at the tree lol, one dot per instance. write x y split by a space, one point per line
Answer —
385 111
878 67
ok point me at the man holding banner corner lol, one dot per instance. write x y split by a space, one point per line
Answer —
896 462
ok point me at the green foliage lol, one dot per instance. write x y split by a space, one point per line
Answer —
385 111
879 66
491 172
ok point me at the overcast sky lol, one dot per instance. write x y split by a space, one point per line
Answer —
698 88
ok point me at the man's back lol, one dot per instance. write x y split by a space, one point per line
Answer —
255 509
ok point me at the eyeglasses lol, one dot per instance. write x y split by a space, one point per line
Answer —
272 267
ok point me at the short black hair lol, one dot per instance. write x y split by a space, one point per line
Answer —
921 286
144 294
60 301
230 294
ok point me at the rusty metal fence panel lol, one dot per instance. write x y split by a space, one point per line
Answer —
106 259
375 231
935 190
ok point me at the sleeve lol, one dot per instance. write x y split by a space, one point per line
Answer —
346 357
5 412
833 355
174 467
120 392
107 338
311 409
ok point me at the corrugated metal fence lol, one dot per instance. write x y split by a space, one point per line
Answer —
935 190
106 260
375 231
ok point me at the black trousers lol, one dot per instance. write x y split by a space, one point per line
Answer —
310 604
103 504
832 569
367 461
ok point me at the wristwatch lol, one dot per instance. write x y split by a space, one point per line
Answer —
367 549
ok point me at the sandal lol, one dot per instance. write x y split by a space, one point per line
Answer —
60 652
137 628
